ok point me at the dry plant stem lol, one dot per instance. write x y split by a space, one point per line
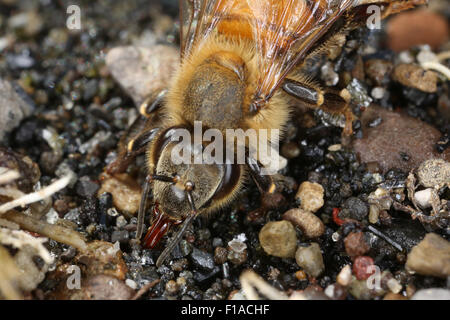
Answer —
443 55
434 65
8 274
250 280
145 288
57 233
8 176
36 196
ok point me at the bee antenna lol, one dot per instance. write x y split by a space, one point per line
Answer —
142 207
162 178
189 185
175 240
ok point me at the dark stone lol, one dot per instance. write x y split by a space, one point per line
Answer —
202 259
357 208
86 187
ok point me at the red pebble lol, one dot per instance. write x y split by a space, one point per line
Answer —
363 267
336 218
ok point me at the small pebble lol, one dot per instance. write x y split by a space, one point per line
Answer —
220 255
378 71
394 296
378 93
432 294
345 276
237 258
171 287
132 284
426 56
406 57
309 223
397 133
121 222
85 187
125 191
13 107
202 259
394 286
423 198
355 244
119 235
290 150
434 173
335 292
310 259
363 267
278 238
414 76
142 71
358 209
328 74
300 275
416 27
374 213
430 257
311 196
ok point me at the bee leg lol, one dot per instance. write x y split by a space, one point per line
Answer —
152 103
270 198
129 149
135 147
329 100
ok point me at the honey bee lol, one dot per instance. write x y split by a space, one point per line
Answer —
241 68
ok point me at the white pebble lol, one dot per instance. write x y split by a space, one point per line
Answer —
394 285
345 276
378 93
423 197
335 236
334 147
406 57
311 196
426 56
121 222
131 283
329 291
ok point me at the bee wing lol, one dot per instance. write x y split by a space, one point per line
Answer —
283 31
198 19
278 27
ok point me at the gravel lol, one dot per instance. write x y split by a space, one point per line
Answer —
310 196
310 224
430 257
310 259
278 238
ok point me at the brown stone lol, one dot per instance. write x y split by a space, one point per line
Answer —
414 76
396 134
126 192
355 244
431 257
278 239
309 223
409 29
141 71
